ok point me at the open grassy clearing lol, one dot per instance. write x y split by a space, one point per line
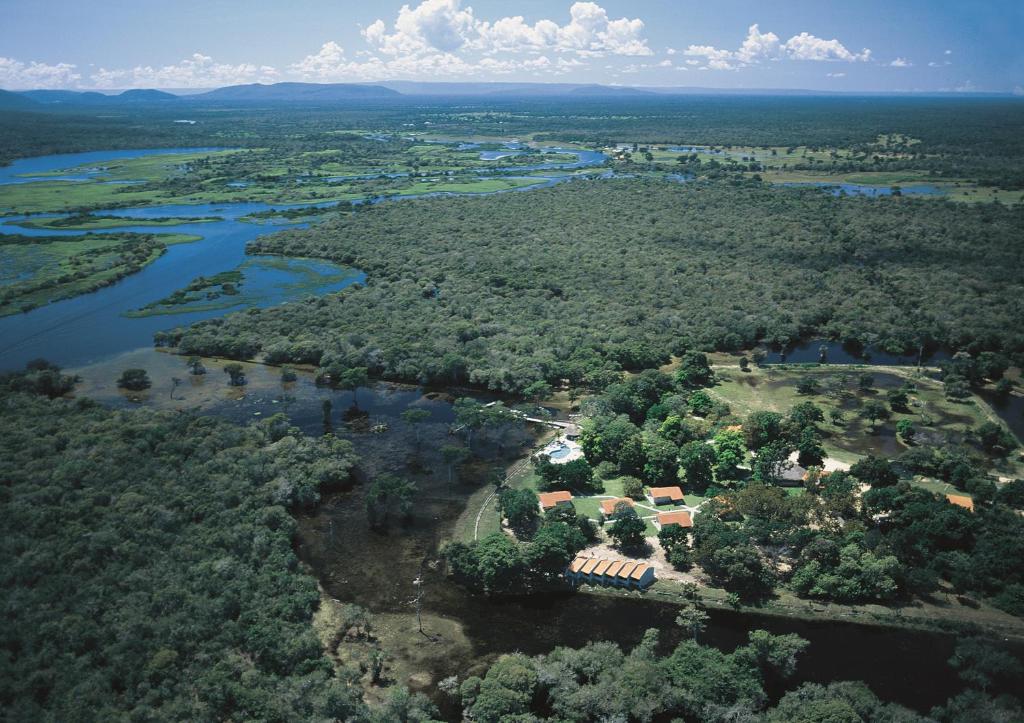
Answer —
936 418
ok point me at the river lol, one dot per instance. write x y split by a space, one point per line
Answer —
92 327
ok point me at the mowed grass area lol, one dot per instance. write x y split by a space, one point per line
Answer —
50 269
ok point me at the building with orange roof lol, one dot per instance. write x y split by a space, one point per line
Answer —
550 500
962 500
667 519
602 571
665 496
608 506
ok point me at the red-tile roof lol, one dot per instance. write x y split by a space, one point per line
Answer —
608 506
550 499
675 518
639 570
962 500
673 493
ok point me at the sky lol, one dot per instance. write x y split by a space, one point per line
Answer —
857 45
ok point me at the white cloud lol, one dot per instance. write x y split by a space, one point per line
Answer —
835 75
809 47
758 46
16 75
1018 90
198 71
665 64
670 51
947 52
322 63
900 63
445 26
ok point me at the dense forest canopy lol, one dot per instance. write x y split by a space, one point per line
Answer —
148 570
560 283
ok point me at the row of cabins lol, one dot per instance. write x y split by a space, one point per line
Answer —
618 573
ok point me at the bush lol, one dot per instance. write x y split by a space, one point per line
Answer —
134 379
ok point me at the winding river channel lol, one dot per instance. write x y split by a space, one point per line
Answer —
93 327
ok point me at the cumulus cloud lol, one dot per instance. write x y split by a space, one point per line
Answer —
808 47
445 26
197 71
758 46
900 63
17 75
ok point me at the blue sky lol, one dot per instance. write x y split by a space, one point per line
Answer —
864 45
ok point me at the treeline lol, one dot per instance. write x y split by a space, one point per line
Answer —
694 682
147 565
591 277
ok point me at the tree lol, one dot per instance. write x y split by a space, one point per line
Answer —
694 371
773 653
499 563
288 374
811 451
453 454
627 529
660 457
995 439
807 385
236 374
865 382
195 366
520 507
692 619
389 496
762 428
632 487
537 391
415 417
981 664
770 462
905 429
700 403
874 471
730 452
898 400
744 364
134 379
696 463
739 569
351 379
805 414
672 536
873 410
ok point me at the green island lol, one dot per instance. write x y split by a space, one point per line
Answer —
91 222
653 437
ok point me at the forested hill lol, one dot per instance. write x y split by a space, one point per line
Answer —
504 290
148 571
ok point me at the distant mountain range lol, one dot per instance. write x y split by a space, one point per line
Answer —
335 93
